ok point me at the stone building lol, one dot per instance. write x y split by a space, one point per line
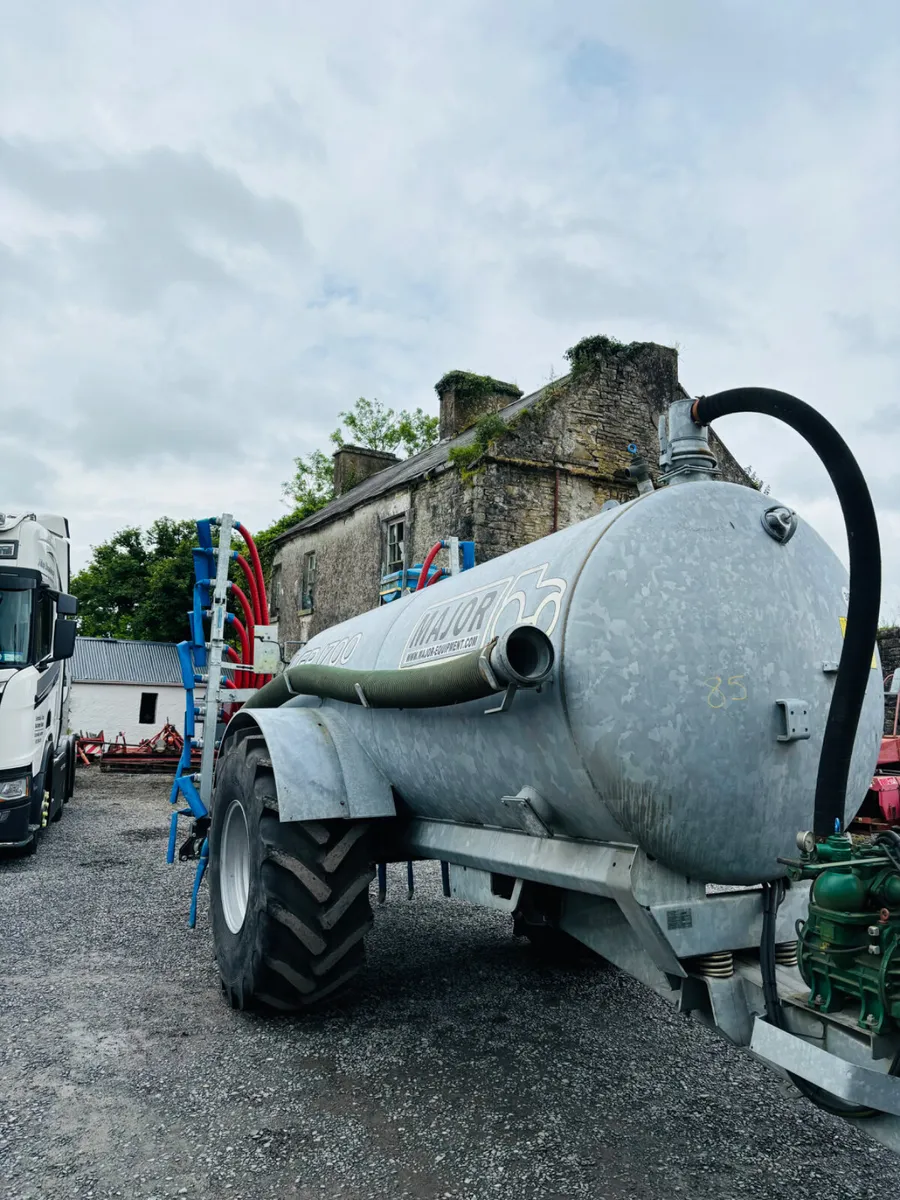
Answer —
508 469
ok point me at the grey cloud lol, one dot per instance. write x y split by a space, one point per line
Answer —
279 128
861 336
593 64
28 481
15 269
562 289
884 419
153 211
180 418
110 423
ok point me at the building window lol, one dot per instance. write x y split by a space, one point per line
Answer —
308 583
275 598
395 558
148 708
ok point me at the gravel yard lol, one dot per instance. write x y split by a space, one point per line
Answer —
464 1068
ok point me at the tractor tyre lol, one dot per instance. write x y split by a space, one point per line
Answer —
289 903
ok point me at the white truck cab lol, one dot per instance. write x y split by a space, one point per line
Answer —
37 638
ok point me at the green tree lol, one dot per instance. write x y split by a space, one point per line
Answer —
368 424
312 485
139 585
756 482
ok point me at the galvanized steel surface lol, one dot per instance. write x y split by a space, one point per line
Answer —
678 623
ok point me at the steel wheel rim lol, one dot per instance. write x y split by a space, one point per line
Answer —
234 869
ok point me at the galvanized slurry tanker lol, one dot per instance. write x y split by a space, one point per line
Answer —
587 732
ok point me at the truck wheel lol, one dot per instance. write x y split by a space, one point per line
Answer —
70 771
289 904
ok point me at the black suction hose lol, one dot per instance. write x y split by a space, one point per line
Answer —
853 670
865 581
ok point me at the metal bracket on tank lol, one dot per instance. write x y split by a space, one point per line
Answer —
795 714
530 810
504 706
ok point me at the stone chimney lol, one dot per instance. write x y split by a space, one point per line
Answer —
466 397
353 464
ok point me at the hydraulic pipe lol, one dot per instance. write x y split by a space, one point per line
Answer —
521 657
257 568
252 588
426 565
262 598
242 635
253 680
865 580
242 677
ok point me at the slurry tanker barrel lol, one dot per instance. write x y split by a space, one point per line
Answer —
696 633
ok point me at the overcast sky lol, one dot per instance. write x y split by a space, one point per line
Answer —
221 223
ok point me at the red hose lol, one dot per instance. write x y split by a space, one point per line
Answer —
252 588
429 559
252 680
233 655
262 598
245 641
257 567
439 574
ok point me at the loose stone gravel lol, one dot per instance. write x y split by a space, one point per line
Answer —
463 1068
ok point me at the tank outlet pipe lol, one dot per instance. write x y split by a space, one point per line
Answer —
522 657
865 580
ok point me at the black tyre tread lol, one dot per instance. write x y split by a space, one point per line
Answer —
314 879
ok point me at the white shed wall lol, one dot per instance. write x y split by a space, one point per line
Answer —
115 708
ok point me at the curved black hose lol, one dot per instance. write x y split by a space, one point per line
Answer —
865 580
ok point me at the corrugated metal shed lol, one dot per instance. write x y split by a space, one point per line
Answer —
404 472
115 660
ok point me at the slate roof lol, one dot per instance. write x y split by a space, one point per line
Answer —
402 473
116 660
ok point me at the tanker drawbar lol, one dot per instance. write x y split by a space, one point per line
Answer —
616 734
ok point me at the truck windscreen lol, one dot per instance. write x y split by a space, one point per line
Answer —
15 626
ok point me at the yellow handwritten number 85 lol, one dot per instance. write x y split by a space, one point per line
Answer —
717 698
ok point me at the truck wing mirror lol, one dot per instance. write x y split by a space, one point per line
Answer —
66 606
64 633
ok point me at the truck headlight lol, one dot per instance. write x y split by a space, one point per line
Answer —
15 789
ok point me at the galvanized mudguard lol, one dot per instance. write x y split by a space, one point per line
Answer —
321 770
